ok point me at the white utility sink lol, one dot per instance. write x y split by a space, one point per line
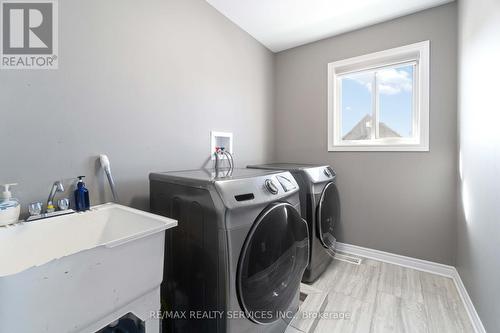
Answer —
79 272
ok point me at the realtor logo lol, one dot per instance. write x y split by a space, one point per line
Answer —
29 35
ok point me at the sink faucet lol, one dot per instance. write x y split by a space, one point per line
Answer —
56 187
35 208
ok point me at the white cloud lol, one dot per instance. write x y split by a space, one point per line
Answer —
390 81
365 79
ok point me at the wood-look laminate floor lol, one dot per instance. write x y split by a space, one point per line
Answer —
384 298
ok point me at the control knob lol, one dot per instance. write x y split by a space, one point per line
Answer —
271 187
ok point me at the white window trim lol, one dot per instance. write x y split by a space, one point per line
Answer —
419 53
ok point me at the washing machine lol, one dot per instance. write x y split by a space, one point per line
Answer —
235 262
320 207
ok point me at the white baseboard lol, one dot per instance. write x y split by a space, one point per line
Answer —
418 264
469 306
421 265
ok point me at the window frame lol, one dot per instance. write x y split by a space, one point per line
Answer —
417 54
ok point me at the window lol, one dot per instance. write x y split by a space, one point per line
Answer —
380 101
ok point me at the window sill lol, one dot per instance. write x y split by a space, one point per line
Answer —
368 148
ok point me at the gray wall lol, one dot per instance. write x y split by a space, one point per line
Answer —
144 83
479 219
398 202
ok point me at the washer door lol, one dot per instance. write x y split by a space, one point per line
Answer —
272 262
328 214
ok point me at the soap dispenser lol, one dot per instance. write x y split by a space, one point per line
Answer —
82 201
10 209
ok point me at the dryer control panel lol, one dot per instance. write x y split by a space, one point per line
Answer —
320 174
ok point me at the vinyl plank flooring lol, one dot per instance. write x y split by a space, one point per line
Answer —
411 286
332 275
446 315
396 314
357 315
401 282
440 285
414 317
390 281
365 281
358 281
381 297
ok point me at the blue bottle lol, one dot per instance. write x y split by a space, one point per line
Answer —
82 201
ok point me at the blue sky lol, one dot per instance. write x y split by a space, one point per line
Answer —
395 98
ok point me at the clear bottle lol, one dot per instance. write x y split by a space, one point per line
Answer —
10 209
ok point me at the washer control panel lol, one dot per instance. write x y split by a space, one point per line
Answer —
271 186
287 184
259 189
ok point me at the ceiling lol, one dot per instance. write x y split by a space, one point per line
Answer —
283 24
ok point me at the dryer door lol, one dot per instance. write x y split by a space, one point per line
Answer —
328 214
272 262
